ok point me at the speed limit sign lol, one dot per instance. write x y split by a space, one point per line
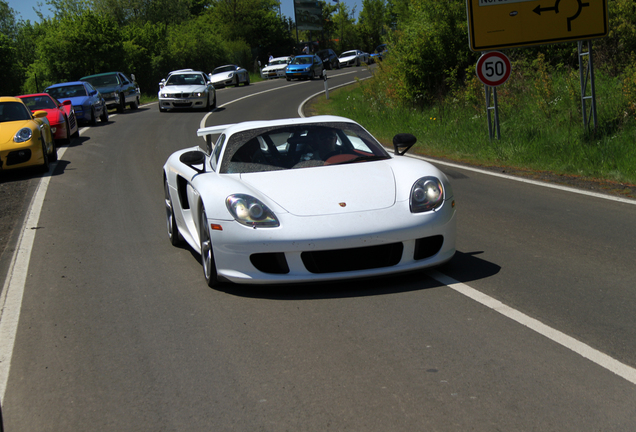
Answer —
493 68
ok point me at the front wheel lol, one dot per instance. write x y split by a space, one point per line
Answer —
207 255
171 222
104 116
122 104
46 164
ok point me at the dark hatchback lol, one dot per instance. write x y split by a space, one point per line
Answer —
329 59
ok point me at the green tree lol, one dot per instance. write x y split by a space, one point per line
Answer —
11 73
372 23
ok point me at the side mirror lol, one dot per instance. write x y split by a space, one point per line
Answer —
402 142
67 102
194 157
39 114
93 93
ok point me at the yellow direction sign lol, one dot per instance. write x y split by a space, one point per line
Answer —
499 24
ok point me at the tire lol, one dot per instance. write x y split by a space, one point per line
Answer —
122 104
247 81
104 117
134 105
171 222
236 84
213 106
67 140
93 120
53 155
207 255
45 166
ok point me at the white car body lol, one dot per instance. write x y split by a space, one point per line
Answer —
186 88
275 68
229 75
353 58
316 221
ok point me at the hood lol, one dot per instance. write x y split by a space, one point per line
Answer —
347 58
9 129
183 89
106 89
328 190
274 67
79 100
222 76
298 66
53 115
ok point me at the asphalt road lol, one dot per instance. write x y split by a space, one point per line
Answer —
118 330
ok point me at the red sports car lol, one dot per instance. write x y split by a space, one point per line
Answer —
61 116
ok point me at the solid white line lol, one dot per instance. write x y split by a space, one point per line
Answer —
533 182
13 290
601 359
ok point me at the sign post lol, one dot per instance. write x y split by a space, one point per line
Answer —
493 69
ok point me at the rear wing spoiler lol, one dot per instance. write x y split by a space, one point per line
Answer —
207 133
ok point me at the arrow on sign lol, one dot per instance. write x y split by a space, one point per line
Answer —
554 8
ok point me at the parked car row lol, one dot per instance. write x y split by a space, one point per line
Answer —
309 66
35 123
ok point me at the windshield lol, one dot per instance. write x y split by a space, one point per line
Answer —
13 111
103 80
348 54
67 92
222 69
277 62
39 102
302 60
185 79
301 146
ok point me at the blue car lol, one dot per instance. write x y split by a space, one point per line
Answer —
87 102
379 53
304 67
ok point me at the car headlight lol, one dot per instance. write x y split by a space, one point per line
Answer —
199 94
426 194
230 75
23 135
249 211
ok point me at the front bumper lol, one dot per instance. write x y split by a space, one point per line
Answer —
21 155
298 73
280 73
335 247
185 102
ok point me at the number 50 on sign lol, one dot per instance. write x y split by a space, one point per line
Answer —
493 68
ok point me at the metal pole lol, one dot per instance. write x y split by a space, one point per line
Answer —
584 76
494 90
487 90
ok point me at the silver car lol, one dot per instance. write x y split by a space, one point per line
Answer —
186 88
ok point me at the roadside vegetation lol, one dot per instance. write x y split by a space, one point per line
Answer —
427 86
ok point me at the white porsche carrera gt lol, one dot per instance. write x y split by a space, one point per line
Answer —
305 200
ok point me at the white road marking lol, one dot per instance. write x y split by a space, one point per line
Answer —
13 290
562 339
